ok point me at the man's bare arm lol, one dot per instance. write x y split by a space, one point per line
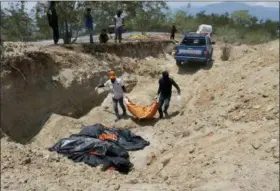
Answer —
176 86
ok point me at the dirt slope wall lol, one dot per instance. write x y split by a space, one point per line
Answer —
38 81
138 50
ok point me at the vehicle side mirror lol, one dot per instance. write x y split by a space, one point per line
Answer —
213 42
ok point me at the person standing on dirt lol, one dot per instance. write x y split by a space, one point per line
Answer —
117 89
164 92
53 21
119 19
173 31
89 24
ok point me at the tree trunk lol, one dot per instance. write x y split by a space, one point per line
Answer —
76 37
61 31
66 35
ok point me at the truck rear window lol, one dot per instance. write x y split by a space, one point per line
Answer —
194 41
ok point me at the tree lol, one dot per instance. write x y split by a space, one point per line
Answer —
180 20
149 15
70 17
254 20
17 24
271 27
184 22
201 14
43 29
141 15
3 23
242 17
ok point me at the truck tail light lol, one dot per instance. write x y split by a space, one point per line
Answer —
205 52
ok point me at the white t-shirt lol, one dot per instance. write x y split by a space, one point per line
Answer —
119 20
115 88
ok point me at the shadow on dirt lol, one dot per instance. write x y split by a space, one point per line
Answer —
173 114
153 121
145 122
193 67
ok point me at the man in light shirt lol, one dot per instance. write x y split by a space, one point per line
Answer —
117 89
119 18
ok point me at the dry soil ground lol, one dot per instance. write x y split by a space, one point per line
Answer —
222 135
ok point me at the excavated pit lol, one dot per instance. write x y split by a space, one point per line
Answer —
221 135
38 81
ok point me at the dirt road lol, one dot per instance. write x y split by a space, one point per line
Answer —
222 135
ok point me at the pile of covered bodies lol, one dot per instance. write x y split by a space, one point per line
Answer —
98 145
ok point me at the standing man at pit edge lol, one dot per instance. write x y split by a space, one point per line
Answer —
173 31
119 19
53 21
89 24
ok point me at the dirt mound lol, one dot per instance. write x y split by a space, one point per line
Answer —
222 134
138 50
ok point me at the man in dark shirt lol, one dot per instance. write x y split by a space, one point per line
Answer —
173 31
53 21
165 91
89 24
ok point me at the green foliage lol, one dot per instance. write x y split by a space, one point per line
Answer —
103 12
260 36
16 23
242 17
227 34
185 23
239 27
70 17
150 16
142 16
43 29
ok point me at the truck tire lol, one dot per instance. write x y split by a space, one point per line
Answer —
205 63
209 60
178 62
211 55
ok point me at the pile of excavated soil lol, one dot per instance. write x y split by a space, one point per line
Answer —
222 135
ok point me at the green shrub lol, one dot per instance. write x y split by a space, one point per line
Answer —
243 35
257 37
227 34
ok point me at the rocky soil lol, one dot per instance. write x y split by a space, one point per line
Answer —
222 135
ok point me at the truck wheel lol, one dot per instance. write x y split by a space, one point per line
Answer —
211 55
178 62
205 63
